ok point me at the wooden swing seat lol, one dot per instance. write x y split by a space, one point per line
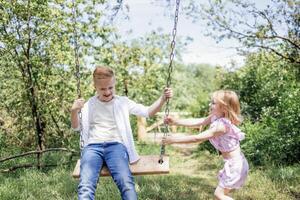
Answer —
147 165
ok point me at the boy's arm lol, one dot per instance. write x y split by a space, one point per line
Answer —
157 105
77 105
74 119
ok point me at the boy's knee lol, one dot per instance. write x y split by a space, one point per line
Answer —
124 183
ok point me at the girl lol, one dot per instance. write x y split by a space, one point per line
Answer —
224 136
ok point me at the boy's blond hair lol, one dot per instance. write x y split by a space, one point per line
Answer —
102 72
229 104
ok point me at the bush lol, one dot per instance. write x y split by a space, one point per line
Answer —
266 143
269 93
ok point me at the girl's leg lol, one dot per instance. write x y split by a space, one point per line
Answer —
222 193
226 191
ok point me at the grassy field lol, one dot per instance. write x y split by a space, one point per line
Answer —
192 177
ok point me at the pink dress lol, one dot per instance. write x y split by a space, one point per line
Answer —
235 170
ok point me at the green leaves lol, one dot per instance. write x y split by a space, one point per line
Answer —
269 92
37 64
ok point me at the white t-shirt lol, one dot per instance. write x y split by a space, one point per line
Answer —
103 127
122 108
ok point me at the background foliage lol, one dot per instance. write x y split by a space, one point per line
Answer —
268 91
38 84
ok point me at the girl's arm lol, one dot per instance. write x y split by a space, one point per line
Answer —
219 129
189 122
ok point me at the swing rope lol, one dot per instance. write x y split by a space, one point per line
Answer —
168 83
77 66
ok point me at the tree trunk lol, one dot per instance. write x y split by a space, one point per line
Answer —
32 93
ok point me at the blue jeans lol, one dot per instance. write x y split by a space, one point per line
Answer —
115 156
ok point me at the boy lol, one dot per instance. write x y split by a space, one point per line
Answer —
107 134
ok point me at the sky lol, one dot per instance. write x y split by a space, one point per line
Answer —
145 16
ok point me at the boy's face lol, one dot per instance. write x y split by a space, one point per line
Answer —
105 88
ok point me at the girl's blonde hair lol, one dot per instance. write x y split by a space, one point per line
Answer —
229 104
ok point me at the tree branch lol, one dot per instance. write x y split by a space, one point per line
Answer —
36 152
31 166
278 53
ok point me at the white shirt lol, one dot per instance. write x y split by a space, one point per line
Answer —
122 107
103 127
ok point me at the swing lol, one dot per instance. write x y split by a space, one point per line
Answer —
148 164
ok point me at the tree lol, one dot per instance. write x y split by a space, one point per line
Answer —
274 28
37 62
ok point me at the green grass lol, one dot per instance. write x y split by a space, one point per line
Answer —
192 177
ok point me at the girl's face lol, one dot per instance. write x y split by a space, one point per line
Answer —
215 108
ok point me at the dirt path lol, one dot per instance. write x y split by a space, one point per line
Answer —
204 167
